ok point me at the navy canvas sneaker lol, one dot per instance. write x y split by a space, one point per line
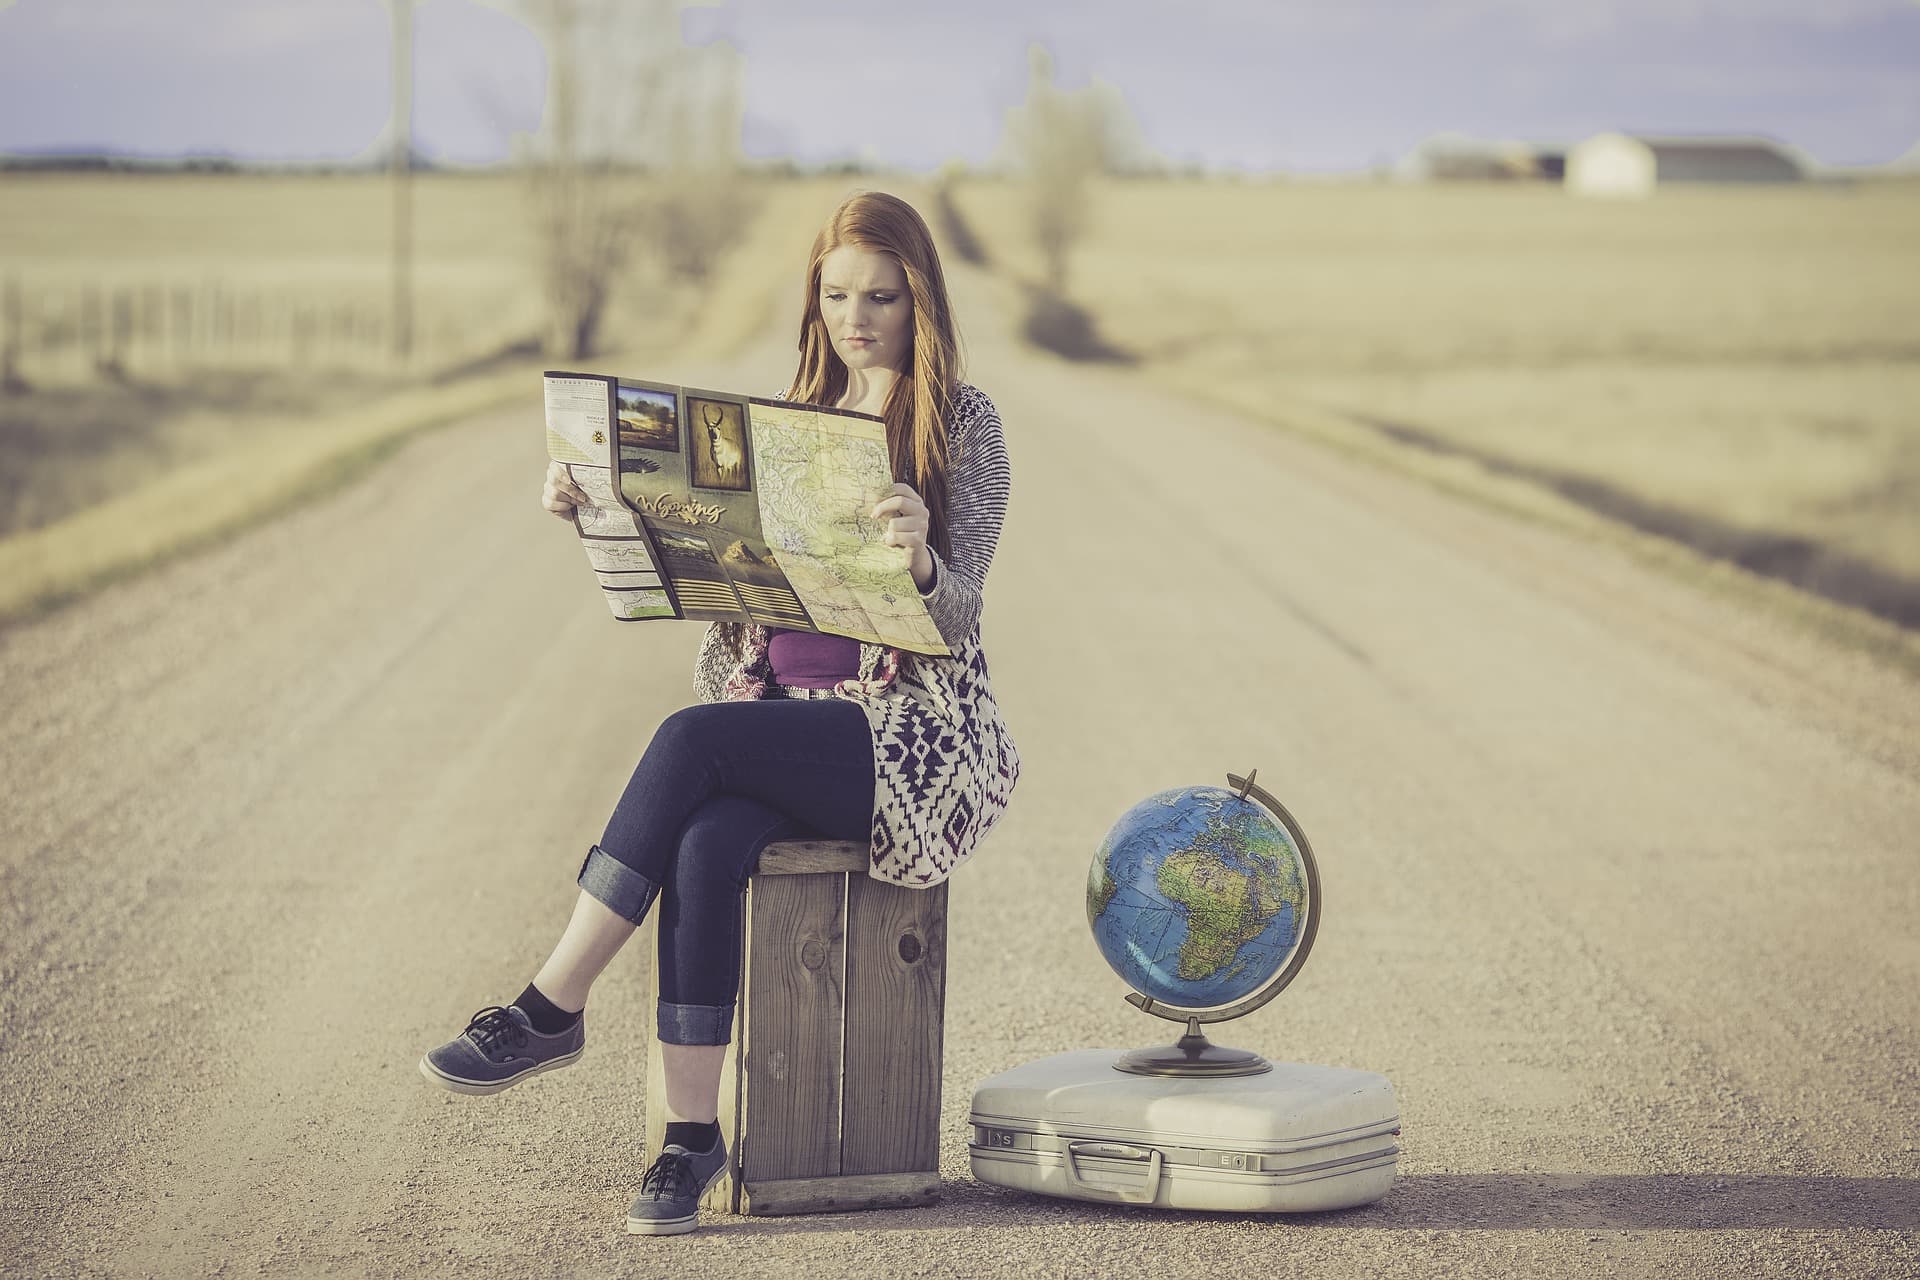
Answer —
669 1199
498 1050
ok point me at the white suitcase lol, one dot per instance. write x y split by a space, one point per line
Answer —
1294 1139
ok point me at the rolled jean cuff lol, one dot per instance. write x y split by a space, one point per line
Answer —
694 1023
620 888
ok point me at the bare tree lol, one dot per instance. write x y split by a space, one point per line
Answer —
634 179
1058 141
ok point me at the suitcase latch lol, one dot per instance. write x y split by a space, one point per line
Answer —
1242 1160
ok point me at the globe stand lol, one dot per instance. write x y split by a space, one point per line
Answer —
1192 1055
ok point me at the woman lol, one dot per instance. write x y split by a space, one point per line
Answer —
796 733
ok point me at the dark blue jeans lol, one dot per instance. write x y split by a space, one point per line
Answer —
719 782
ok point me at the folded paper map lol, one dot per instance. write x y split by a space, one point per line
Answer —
728 508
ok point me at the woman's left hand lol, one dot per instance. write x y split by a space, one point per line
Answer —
906 517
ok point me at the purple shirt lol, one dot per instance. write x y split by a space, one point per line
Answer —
804 660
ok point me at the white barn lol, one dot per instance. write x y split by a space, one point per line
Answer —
1619 164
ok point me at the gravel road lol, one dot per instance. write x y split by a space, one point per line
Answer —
1620 885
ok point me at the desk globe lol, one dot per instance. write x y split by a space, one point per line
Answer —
1205 901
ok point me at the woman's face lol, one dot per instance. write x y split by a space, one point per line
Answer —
866 307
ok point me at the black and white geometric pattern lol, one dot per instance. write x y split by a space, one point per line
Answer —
945 764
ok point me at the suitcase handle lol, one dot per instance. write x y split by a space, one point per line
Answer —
1116 1151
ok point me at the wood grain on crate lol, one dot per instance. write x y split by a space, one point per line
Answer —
830 1093
896 996
795 988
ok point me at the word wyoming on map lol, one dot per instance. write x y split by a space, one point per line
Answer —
727 508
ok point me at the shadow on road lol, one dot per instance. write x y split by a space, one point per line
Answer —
1473 1202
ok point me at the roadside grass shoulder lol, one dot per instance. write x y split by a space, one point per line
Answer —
1467 478
204 502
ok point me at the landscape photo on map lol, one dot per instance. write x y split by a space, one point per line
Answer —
649 417
694 574
686 553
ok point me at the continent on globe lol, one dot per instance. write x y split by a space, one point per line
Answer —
1101 887
1226 908
1196 897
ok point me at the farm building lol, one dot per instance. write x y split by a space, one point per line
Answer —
1619 164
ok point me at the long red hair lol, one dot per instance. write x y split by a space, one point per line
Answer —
921 399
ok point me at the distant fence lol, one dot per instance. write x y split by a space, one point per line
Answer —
77 332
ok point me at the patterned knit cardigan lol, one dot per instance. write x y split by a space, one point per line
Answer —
944 763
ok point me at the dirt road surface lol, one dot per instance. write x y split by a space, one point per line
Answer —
1621 887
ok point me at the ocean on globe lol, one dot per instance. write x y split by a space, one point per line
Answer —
1196 897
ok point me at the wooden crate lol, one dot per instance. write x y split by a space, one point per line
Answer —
830 1097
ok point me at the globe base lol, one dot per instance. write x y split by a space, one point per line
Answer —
1192 1055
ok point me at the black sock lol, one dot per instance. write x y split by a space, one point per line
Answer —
548 1018
694 1137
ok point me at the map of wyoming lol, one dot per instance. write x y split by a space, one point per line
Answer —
727 508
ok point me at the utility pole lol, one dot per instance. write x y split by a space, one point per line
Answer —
400 167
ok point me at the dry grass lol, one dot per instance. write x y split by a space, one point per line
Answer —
1741 364
276 242
101 481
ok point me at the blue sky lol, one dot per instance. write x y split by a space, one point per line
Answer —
1307 85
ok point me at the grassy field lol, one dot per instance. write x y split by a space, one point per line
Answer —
186 455
1737 368
78 438
272 242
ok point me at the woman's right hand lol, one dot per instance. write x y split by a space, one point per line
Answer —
560 494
